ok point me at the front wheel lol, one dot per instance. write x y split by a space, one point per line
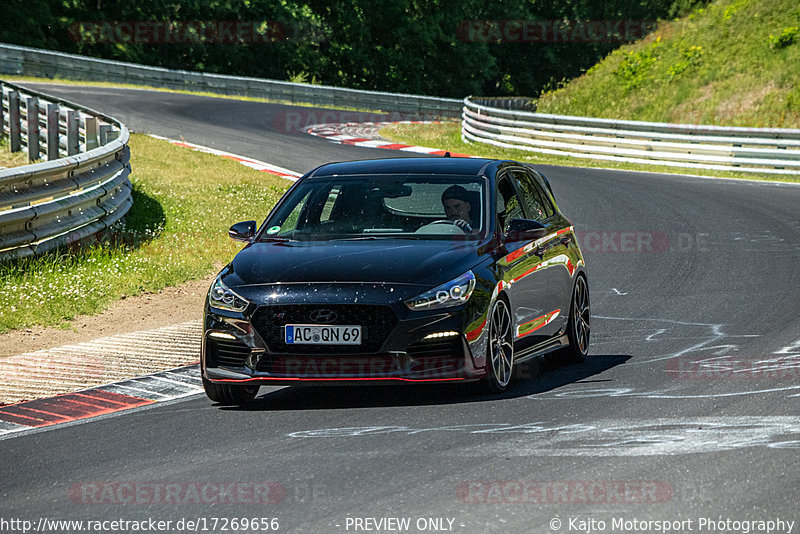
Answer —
500 352
229 395
578 324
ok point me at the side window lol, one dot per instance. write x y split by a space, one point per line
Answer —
544 195
536 202
508 203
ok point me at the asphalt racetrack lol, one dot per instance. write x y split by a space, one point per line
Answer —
688 409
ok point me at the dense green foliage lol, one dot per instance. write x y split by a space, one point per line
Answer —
733 62
413 46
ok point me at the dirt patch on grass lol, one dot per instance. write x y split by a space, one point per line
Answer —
171 305
702 109
746 102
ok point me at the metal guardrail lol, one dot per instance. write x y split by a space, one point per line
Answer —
762 150
25 61
82 188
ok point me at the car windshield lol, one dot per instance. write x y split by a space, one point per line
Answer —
382 206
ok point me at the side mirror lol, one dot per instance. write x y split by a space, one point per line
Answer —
242 231
524 230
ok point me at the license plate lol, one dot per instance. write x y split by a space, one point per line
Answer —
315 334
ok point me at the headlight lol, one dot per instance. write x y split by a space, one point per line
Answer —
222 297
447 295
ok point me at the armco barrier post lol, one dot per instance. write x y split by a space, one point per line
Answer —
90 127
52 132
32 112
15 134
72 132
103 134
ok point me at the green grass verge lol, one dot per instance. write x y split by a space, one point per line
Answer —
732 63
184 202
11 159
447 136
84 83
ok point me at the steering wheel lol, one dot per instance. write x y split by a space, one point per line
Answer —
461 224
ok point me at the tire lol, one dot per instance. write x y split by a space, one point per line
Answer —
229 395
500 352
578 329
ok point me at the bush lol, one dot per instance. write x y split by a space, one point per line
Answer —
787 37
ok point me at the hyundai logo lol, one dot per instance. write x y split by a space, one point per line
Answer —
323 316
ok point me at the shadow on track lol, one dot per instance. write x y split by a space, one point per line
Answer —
535 377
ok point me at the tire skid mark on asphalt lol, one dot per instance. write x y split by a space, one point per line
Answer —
600 438
102 400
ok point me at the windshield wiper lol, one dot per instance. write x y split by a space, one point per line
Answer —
370 237
268 238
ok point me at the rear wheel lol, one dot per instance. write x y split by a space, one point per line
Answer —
500 352
229 395
578 325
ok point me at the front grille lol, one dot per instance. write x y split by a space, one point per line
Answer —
229 353
376 323
316 366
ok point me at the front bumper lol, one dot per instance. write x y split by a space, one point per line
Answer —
399 347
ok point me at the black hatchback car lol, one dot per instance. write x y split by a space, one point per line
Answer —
411 270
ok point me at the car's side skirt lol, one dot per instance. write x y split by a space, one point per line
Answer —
542 348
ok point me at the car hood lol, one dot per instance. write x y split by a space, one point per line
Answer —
421 263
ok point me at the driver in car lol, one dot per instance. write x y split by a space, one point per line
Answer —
457 203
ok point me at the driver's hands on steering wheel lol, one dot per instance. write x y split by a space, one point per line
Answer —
464 225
